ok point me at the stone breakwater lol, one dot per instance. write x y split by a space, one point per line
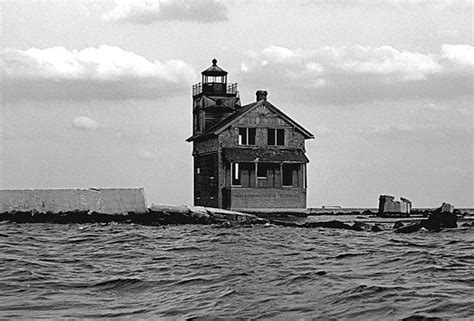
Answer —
128 205
155 215
158 215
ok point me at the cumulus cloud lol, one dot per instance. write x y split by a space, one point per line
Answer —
149 11
462 55
85 123
105 72
355 74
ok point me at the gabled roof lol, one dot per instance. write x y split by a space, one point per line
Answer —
224 124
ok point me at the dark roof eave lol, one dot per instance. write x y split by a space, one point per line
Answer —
199 137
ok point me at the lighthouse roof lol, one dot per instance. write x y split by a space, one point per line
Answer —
214 70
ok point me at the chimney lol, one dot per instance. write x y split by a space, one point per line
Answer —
261 95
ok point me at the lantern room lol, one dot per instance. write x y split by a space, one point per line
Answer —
214 82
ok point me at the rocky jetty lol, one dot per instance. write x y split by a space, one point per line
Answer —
442 217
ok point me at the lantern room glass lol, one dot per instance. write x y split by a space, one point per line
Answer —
214 79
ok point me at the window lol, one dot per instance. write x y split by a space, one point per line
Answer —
235 174
276 137
280 137
287 175
214 79
197 164
262 170
247 136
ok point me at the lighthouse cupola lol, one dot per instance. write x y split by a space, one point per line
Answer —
214 79
213 98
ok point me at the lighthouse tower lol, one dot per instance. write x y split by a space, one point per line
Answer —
213 99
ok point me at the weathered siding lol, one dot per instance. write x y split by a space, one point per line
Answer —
104 201
212 118
267 197
229 138
206 180
205 146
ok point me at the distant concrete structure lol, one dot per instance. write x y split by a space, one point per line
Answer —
389 207
331 207
99 200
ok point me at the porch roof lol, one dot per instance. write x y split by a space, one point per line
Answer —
265 155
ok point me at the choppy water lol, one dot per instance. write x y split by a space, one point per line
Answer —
179 272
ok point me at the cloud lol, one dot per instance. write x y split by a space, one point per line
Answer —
149 11
462 55
85 123
105 72
442 4
358 73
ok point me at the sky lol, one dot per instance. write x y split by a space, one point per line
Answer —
98 94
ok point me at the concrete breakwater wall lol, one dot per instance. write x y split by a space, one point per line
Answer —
103 205
110 201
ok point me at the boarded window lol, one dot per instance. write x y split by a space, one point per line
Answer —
235 174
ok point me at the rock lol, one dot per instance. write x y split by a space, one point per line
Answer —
398 224
375 228
221 215
286 223
330 224
410 228
446 208
439 219
435 222
361 226
418 317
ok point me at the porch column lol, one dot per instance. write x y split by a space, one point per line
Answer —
256 176
304 176
281 175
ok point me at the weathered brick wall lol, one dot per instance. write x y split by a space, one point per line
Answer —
268 198
104 201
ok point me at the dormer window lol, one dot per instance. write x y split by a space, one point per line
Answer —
247 136
276 137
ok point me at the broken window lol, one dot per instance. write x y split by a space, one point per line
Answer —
276 137
247 136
